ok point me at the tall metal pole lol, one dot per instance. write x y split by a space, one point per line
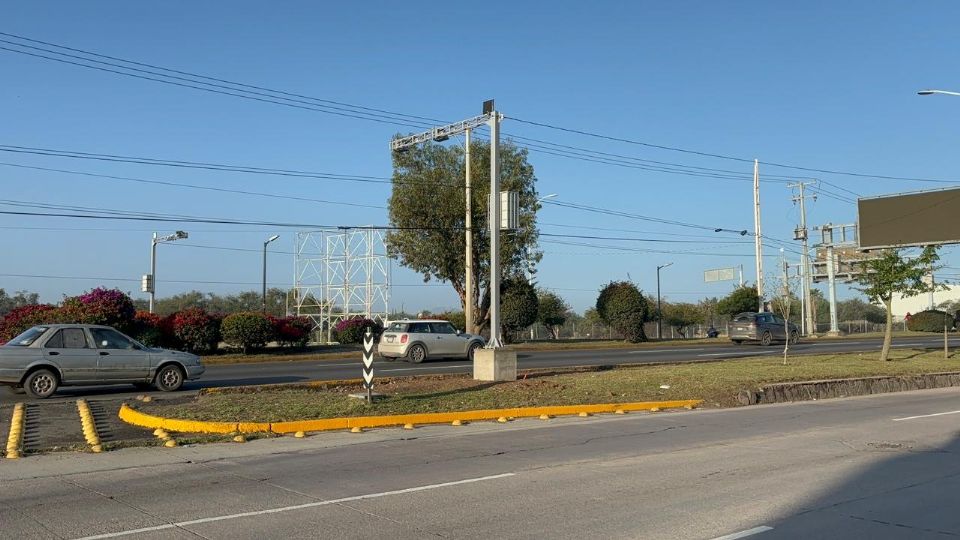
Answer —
659 311
494 219
153 269
758 238
806 284
264 297
468 225
832 285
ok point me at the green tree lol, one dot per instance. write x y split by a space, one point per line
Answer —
427 206
681 315
595 323
518 308
821 306
18 299
552 311
893 274
623 307
855 309
740 300
247 330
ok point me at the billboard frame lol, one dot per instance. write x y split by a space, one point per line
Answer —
863 248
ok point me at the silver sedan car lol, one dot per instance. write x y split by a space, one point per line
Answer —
48 356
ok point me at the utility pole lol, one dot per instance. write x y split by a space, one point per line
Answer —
659 311
832 285
808 323
757 234
468 225
494 218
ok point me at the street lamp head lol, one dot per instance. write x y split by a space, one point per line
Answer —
717 230
180 235
925 92
272 238
545 197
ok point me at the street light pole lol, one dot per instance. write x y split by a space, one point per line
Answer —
659 312
150 284
468 225
271 239
932 92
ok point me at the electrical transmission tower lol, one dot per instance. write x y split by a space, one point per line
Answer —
341 275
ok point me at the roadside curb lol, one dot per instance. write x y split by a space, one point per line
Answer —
857 386
137 418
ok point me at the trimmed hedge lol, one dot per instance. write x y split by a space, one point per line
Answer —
929 321
292 331
19 319
247 330
352 330
196 330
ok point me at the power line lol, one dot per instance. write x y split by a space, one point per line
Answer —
187 281
194 186
727 157
629 215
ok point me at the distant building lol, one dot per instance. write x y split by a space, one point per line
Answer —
902 306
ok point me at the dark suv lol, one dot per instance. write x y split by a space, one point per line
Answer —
762 327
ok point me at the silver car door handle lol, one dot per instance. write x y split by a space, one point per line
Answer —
104 353
53 353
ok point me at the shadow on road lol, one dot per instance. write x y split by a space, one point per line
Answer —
914 494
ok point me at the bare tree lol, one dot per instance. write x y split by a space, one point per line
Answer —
785 304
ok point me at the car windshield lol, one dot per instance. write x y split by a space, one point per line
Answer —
397 327
27 338
745 317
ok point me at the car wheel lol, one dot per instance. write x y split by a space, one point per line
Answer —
794 338
169 378
41 384
474 347
737 341
417 354
766 339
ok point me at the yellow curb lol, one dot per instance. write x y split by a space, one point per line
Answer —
15 435
89 426
357 423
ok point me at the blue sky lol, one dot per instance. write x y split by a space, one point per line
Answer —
819 84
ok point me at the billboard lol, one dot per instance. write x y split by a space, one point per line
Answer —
910 219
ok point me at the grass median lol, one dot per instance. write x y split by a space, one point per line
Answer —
717 383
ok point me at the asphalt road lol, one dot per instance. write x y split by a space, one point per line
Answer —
878 467
298 371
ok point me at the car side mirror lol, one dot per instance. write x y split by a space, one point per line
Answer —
459 332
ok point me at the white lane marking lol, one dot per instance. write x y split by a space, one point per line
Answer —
422 368
736 354
679 349
925 415
295 507
744 534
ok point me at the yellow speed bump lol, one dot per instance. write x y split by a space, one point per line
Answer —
457 422
356 429
583 414
408 425
89 426
15 435
299 434
545 417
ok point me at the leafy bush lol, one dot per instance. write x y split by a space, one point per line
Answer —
929 321
19 319
147 329
519 304
247 330
110 307
352 330
292 331
623 308
195 330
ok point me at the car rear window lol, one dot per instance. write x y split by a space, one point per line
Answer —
396 327
27 338
745 317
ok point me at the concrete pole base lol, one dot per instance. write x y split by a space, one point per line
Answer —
495 365
834 333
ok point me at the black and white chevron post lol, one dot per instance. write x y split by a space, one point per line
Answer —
368 364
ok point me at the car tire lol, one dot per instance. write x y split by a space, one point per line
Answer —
41 383
737 341
169 378
766 339
794 338
417 354
474 347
